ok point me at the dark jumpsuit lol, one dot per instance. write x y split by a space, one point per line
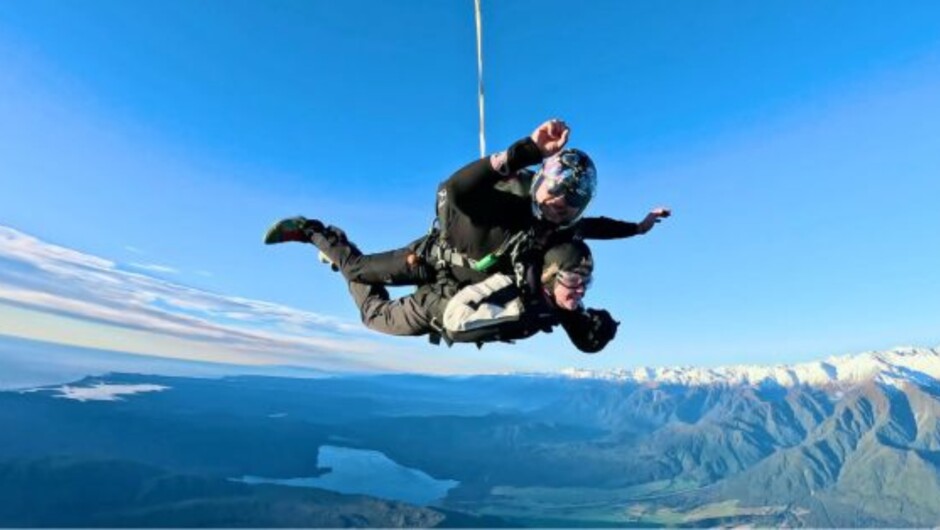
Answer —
476 214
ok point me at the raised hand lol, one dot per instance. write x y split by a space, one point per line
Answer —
551 137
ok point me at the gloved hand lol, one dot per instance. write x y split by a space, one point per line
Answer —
603 327
589 329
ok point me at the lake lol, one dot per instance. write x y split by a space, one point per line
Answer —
371 473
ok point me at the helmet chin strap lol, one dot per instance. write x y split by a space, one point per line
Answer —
537 210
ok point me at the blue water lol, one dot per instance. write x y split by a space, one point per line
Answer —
368 473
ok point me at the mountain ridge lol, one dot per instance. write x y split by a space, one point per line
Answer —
891 366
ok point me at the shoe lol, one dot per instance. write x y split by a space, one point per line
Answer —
297 229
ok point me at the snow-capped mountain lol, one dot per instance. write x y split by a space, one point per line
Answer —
891 366
838 443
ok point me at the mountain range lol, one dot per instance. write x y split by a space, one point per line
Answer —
848 441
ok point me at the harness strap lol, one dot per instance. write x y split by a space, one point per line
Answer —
442 255
438 333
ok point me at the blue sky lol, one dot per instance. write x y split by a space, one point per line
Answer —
795 141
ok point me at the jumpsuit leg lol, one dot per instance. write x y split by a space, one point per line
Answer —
391 267
403 316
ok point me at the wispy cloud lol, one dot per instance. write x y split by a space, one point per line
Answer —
134 250
153 267
65 283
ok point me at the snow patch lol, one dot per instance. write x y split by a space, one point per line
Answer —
919 365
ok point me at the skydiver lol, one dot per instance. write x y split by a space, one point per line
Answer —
484 206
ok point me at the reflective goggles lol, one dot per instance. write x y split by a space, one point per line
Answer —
574 280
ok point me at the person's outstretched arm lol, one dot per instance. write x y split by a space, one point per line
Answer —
607 228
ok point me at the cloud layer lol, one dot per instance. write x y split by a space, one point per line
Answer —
146 314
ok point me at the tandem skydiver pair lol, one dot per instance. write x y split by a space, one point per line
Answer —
505 257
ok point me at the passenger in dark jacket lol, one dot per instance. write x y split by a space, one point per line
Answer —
499 309
496 309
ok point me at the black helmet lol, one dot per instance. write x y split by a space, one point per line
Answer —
570 173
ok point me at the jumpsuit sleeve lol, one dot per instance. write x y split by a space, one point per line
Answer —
464 186
606 228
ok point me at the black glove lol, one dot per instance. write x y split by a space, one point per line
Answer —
589 330
603 326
